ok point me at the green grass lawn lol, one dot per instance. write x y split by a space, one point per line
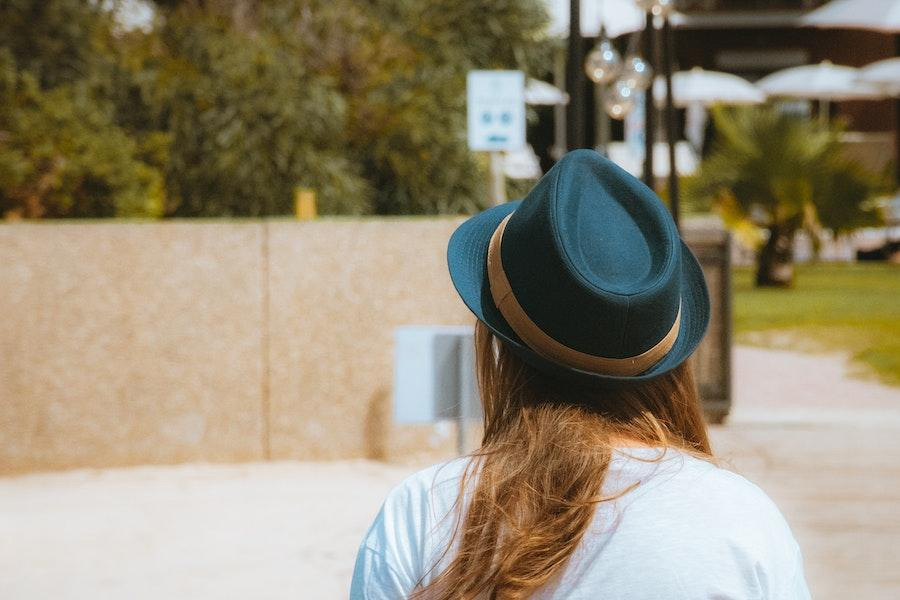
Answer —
854 308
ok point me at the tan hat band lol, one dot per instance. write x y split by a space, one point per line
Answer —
538 340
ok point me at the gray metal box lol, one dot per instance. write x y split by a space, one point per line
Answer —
434 374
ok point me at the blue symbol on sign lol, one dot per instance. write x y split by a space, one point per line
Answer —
486 117
506 118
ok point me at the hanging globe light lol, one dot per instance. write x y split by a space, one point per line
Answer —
604 63
619 100
658 8
636 73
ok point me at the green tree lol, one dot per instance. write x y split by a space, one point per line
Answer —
249 121
368 98
237 102
61 155
56 41
771 174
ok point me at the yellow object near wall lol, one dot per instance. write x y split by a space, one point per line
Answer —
305 204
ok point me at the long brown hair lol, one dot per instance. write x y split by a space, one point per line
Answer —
546 449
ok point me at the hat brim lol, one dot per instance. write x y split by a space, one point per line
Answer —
467 261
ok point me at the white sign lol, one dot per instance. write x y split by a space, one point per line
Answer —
496 110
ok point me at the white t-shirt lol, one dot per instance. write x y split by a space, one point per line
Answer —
690 530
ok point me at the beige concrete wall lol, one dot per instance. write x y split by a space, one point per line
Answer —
130 343
166 342
338 291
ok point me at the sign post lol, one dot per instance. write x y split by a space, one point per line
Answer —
495 103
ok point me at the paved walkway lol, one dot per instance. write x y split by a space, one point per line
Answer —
825 447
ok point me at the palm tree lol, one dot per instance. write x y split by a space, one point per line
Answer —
770 174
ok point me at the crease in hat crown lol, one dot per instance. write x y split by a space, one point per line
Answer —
591 259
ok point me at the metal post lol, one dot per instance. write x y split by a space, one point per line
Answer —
601 126
726 322
459 402
559 110
461 441
575 79
897 142
649 103
468 395
668 58
896 124
824 113
498 179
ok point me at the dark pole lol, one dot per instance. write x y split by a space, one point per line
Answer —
649 103
897 123
668 51
897 142
575 79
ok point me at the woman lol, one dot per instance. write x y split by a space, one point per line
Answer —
595 477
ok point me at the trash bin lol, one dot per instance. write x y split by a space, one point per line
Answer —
711 243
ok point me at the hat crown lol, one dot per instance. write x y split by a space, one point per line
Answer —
614 239
593 258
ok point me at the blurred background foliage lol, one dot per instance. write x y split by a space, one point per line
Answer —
223 107
62 151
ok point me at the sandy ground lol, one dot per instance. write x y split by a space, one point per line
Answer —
824 446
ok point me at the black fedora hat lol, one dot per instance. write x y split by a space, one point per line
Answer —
586 277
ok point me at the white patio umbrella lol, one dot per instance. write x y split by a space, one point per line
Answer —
618 17
541 92
686 161
883 73
824 81
886 74
697 89
699 86
876 15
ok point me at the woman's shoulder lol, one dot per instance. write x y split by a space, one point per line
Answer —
443 474
706 496
722 486
690 475
406 530
428 494
703 474
673 471
669 482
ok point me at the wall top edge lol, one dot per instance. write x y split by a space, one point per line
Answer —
235 221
